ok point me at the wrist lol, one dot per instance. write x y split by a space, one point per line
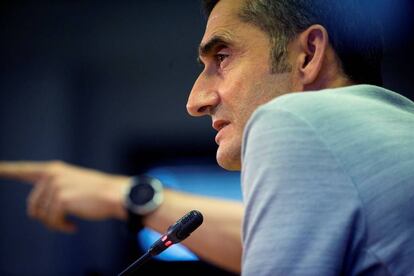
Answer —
117 188
143 197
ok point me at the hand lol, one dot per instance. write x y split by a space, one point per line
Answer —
60 189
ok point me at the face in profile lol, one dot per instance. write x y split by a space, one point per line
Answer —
236 78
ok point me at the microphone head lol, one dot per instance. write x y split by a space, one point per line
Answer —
185 226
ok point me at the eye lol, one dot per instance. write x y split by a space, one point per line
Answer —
221 59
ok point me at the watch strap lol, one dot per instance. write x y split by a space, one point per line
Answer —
134 219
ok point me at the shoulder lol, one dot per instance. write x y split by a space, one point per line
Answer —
338 100
333 111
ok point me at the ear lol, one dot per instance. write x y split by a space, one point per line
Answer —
313 44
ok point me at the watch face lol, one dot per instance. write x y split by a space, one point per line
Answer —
141 194
144 196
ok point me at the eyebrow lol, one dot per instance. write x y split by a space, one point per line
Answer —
207 48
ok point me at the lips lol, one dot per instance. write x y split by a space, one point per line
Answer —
220 125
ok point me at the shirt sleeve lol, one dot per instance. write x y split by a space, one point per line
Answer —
302 211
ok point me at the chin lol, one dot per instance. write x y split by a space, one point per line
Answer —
227 162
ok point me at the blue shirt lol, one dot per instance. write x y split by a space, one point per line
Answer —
328 184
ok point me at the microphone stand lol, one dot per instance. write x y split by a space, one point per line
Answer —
135 265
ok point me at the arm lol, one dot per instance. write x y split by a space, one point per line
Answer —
218 239
60 189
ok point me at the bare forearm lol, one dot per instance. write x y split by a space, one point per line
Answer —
218 239
94 195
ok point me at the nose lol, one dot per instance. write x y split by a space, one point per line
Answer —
203 97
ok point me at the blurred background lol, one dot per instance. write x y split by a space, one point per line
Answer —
103 84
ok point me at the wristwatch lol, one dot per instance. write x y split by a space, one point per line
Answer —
144 195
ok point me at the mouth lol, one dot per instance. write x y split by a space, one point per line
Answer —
219 125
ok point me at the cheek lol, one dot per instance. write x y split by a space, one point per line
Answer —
232 94
240 102
256 95
245 90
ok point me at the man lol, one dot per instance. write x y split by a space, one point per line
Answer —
327 176
305 155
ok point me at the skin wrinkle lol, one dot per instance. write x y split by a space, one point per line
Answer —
217 40
230 90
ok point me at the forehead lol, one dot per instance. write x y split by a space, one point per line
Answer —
223 20
226 28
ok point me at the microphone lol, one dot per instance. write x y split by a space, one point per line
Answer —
175 234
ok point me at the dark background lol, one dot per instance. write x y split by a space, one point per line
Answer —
103 84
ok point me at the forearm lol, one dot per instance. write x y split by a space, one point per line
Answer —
95 195
218 239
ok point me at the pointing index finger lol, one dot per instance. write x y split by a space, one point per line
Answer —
22 170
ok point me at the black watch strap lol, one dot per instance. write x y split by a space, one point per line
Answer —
143 197
134 222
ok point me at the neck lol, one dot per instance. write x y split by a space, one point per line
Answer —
324 83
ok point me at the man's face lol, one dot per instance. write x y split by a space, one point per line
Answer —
236 78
